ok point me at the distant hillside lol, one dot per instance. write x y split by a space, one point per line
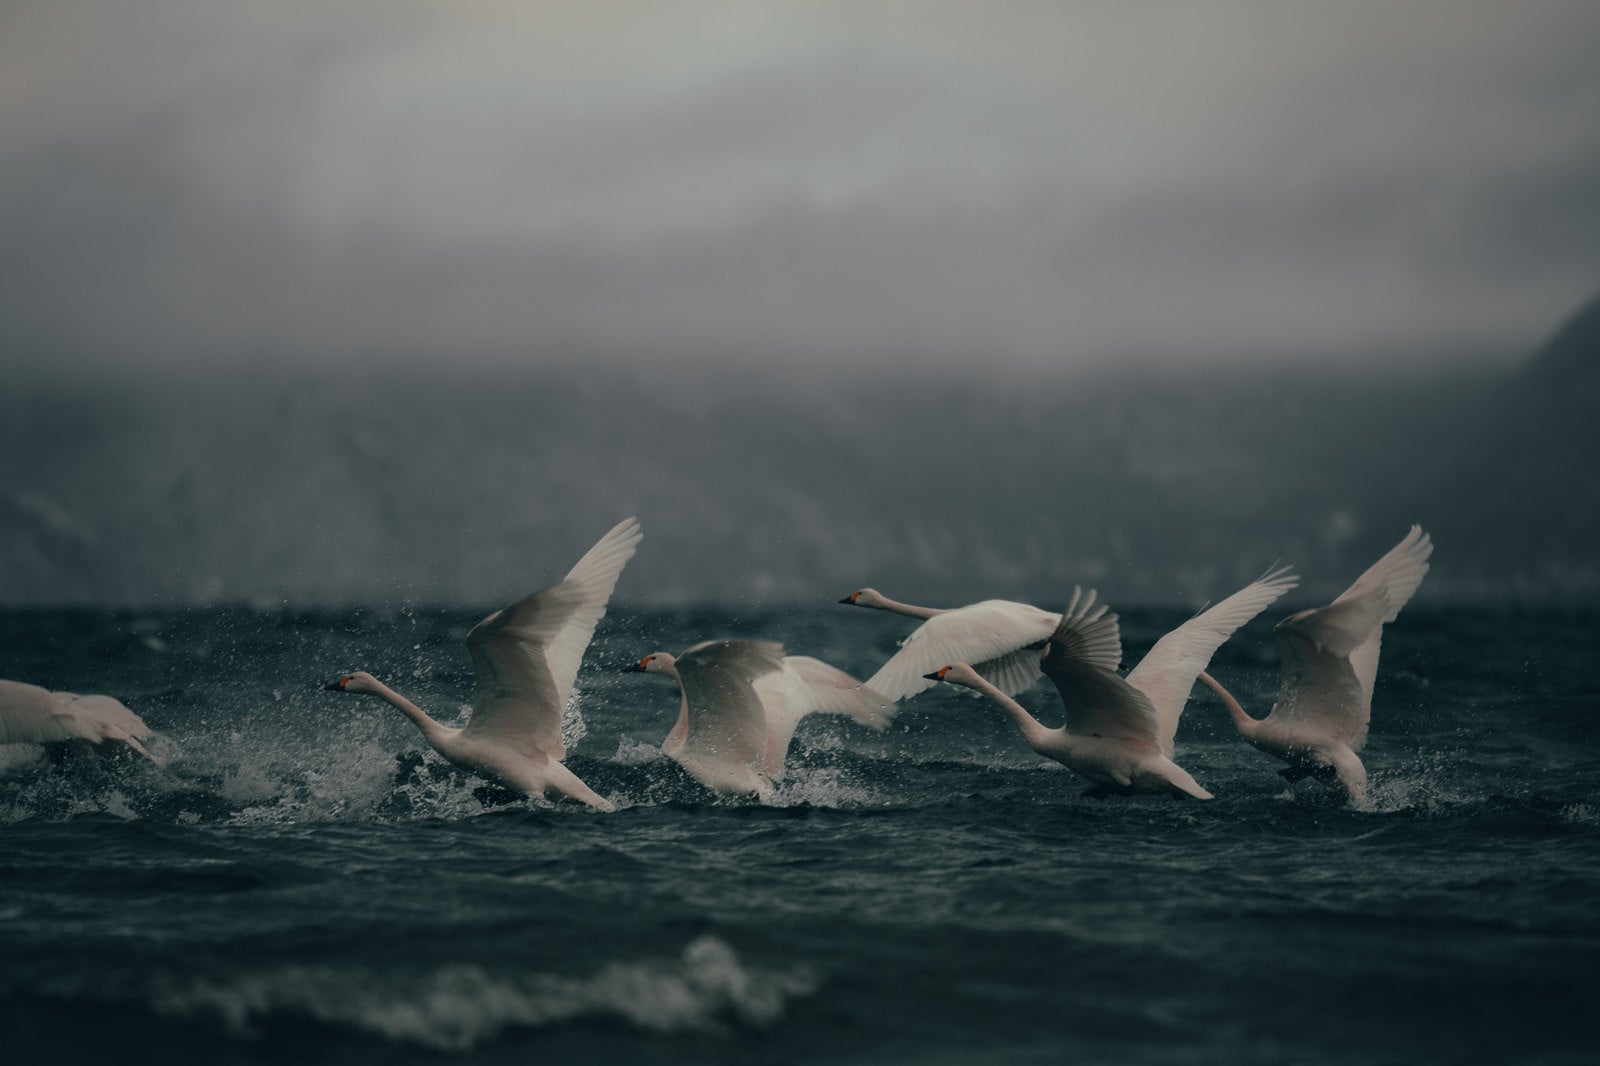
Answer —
1521 491
1568 364
1171 487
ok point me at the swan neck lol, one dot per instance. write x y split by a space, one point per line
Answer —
909 609
430 729
1241 718
680 729
1032 730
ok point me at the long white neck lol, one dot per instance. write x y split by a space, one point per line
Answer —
433 731
1032 730
680 729
1241 718
884 603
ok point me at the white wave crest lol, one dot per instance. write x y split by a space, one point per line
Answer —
455 1007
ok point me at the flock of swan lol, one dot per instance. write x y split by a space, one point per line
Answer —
741 700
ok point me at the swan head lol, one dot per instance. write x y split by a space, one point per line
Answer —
360 681
956 674
866 598
657 662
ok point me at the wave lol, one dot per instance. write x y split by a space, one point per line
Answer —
455 1007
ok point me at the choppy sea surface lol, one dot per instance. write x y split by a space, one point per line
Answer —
303 881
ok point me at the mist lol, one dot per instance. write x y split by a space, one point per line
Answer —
750 185
407 303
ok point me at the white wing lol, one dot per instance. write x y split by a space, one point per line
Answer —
1001 639
1081 658
810 686
1168 672
32 715
1330 655
525 657
1399 573
727 722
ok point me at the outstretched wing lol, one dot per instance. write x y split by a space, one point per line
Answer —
32 715
1330 655
525 657
1168 672
727 722
1001 639
1081 658
1399 573
807 686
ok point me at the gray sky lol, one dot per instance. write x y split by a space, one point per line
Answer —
1006 184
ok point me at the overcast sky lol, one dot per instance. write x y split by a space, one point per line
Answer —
993 184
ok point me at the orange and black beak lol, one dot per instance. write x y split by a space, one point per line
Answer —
635 668
937 675
335 686
850 598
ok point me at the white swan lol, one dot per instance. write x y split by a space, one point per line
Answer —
1119 731
33 715
1330 661
525 660
1001 639
742 700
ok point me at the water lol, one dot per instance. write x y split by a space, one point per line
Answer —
300 883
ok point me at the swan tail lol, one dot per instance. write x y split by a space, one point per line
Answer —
568 784
1184 783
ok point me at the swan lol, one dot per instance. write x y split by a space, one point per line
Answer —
33 715
742 700
1329 662
1001 639
525 660
1119 731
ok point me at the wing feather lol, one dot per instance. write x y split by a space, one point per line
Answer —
32 715
1081 659
806 686
1168 672
595 575
727 722
993 636
525 657
1330 655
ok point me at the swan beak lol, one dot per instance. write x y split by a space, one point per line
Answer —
850 599
937 675
634 668
335 686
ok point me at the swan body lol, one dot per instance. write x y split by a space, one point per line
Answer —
1119 730
1329 657
1000 638
33 715
741 702
525 660
1113 765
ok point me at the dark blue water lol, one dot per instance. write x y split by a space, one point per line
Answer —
300 883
